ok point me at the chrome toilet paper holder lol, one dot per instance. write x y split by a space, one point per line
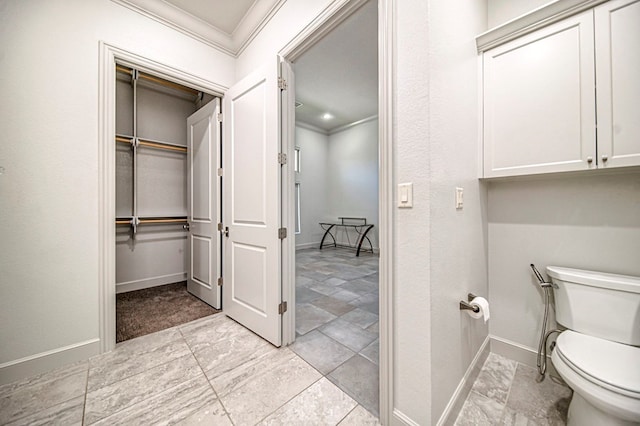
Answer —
466 306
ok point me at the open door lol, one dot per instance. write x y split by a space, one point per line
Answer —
251 194
203 195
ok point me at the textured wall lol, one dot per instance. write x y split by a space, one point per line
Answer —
49 187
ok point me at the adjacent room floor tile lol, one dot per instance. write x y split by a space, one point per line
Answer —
333 305
309 317
360 317
351 336
372 352
322 352
359 378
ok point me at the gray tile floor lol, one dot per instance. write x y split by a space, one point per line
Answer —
337 319
210 371
506 393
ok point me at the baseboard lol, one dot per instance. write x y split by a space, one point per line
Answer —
47 361
401 419
304 246
451 411
150 282
522 354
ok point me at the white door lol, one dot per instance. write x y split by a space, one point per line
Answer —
251 207
203 159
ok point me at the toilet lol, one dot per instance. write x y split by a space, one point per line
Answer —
599 353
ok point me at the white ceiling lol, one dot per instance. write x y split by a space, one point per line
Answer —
339 74
222 14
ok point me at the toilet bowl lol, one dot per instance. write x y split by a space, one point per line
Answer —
605 378
599 355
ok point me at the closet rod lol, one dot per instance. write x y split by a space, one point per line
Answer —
158 80
123 221
151 144
161 145
160 220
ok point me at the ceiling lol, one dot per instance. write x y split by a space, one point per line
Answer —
222 14
338 75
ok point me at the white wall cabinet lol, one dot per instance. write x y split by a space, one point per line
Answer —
541 101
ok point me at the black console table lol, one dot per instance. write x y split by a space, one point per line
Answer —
360 226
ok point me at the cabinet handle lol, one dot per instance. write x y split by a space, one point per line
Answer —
605 158
589 160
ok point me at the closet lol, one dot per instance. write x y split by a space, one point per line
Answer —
151 178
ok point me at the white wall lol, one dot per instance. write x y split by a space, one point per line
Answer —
352 167
589 221
501 11
49 187
314 148
458 238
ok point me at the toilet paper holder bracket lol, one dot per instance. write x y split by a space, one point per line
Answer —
466 306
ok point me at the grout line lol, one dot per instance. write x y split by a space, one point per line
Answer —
207 379
86 392
293 397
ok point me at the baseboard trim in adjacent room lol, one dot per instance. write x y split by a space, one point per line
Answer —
46 361
150 282
304 246
451 411
522 354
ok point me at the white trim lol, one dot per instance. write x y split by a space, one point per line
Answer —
258 15
386 137
355 123
456 402
150 282
46 361
336 12
311 127
108 55
304 246
517 352
400 418
532 21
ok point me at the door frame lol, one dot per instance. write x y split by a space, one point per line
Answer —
331 17
108 55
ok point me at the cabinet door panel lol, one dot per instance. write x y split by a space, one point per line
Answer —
618 83
539 103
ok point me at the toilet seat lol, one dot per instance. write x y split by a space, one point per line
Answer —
602 374
612 365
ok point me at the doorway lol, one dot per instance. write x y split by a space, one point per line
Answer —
336 206
165 144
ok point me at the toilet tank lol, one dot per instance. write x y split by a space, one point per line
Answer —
598 304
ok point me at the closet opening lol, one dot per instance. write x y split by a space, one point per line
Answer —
165 131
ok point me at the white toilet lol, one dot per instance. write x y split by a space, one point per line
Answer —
599 355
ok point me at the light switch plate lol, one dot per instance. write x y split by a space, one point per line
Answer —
405 195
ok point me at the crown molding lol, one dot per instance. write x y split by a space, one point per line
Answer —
233 44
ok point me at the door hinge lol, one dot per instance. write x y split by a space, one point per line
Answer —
220 280
282 83
282 308
219 117
282 158
282 233
220 171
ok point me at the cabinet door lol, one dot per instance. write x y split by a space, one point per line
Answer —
539 101
618 83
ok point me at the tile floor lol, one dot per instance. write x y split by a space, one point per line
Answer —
210 371
337 319
506 393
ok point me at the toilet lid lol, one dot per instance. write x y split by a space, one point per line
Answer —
613 363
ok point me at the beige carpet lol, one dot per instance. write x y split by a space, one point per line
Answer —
153 309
